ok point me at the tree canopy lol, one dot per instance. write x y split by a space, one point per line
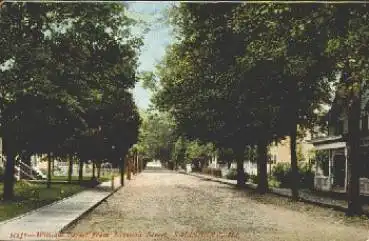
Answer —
66 74
250 74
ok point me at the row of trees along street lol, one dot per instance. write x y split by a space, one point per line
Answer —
66 71
159 140
241 75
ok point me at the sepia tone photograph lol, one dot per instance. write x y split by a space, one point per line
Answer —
184 120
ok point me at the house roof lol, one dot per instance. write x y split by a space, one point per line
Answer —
324 140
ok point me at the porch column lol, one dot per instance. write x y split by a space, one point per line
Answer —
316 166
330 167
346 171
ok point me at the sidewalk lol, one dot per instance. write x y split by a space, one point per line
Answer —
54 217
305 195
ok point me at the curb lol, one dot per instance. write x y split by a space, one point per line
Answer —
39 208
96 204
83 214
325 205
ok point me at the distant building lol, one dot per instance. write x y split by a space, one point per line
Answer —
278 153
281 152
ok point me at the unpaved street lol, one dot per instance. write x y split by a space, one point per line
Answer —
162 203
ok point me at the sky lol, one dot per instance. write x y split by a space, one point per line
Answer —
155 41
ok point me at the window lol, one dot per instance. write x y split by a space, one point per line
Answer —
364 169
364 123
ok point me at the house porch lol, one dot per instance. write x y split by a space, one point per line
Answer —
331 173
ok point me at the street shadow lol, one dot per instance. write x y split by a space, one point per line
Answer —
158 170
276 199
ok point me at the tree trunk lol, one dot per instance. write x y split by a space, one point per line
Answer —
140 164
53 166
93 170
98 170
80 171
240 169
262 167
48 182
9 177
136 164
294 169
122 164
70 169
129 169
353 188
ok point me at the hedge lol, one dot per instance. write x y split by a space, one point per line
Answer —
232 174
282 173
216 172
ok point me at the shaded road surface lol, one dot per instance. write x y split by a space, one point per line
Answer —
160 202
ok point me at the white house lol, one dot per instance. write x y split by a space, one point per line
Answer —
331 171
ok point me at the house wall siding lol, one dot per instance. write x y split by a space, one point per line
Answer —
281 152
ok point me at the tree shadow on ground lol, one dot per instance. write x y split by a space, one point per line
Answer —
284 202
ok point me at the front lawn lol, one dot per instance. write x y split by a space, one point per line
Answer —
32 196
65 178
103 178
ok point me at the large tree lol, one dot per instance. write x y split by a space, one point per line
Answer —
66 57
299 45
286 35
185 72
211 95
348 34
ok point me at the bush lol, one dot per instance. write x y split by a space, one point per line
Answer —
232 175
272 182
254 179
306 176
216 172
282 174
